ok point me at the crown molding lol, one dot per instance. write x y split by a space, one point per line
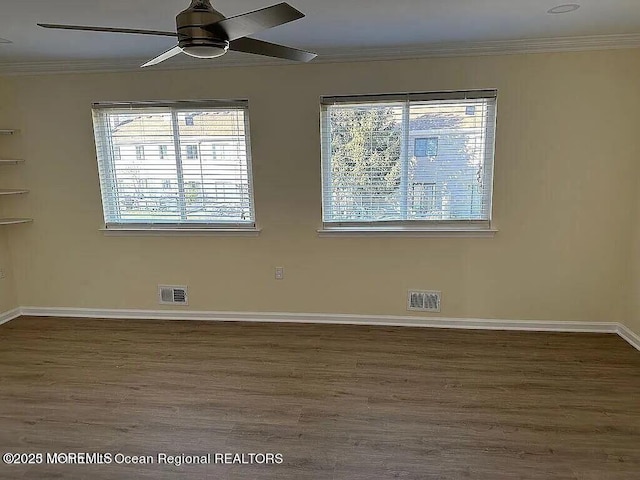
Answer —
456 49
496 47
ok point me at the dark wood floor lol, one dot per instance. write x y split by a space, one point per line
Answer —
339 402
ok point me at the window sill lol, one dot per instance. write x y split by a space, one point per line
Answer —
407 232
173 232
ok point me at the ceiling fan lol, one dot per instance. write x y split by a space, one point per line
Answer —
203 32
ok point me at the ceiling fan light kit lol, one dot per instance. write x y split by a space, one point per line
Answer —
205 33
206 51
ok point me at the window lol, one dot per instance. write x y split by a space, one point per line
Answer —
426 147
378 168
192 152
177 190
188 120
423 199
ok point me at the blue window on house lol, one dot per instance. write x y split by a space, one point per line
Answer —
426 147
188 120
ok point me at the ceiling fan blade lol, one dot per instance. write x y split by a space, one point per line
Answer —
256 21
165 56
251 45
107 29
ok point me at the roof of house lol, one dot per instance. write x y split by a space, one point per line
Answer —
205 124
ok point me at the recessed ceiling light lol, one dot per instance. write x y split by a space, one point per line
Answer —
566 8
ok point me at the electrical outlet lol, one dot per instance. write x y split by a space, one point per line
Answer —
279 273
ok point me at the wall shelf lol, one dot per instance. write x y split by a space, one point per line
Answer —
12 191
14 221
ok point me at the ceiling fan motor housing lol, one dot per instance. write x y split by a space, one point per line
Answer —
191 35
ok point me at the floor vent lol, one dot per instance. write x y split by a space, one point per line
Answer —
169 295
423 301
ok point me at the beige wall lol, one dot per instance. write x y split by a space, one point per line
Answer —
565 179
9 177
8 299
634 264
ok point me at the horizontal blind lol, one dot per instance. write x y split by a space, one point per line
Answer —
408 158
184 164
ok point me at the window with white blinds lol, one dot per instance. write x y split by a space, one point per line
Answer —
175 164
409 159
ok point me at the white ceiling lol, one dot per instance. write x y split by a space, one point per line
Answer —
330 26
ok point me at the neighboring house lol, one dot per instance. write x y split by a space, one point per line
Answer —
427 167
445 169
212 161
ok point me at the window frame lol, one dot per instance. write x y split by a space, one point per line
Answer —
409 227
171 228
433 200
426 146
192 151
140 152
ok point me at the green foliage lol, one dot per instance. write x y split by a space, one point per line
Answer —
365 152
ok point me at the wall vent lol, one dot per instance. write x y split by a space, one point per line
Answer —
171 295
421 301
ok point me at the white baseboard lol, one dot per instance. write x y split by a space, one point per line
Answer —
10 315
372 320
381 320
629 336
